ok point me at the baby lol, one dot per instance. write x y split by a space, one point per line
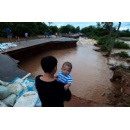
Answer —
64 75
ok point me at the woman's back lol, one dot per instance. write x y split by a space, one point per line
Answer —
52 94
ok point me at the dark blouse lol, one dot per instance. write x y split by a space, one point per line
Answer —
52 94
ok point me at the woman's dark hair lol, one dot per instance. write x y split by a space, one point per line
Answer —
48 63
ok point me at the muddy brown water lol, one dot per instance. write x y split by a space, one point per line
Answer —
91 74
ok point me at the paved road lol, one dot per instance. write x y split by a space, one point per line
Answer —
29 43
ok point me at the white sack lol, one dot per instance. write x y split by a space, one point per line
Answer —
4 92
10 100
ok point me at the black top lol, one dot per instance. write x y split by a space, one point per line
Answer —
52 94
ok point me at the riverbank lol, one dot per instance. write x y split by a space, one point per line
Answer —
119 63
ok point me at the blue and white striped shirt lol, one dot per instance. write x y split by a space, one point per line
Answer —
64 78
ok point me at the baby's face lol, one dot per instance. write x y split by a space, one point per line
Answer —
66 69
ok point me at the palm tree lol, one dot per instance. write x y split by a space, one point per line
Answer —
50 23
109 53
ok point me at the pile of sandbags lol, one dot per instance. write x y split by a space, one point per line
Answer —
7 98
19 93
10 91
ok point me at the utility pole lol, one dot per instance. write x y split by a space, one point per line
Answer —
109 53
111 29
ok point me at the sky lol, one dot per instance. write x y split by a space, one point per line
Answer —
124 25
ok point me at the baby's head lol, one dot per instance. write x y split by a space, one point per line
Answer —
66 68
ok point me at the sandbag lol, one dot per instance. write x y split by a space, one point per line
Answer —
38 103
15 88
3 83
4 92
10 100
2 104
28 99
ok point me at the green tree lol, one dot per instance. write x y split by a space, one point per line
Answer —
54 29
98 24
89 31
19 28
68 28
77 29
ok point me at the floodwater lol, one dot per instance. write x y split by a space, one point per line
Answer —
91 74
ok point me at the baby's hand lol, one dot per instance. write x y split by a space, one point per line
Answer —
66 86
55 77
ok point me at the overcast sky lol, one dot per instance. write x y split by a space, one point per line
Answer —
124 25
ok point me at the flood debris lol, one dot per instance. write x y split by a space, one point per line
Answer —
128 60
5 46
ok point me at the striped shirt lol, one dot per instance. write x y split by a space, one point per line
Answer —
64 78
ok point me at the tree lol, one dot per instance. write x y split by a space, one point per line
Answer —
77 29
50 25
19 28
98 24
54 29
68 28
89 31
106 27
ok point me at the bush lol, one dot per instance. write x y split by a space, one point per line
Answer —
94 37
121 45
102 40
104 48
122 54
